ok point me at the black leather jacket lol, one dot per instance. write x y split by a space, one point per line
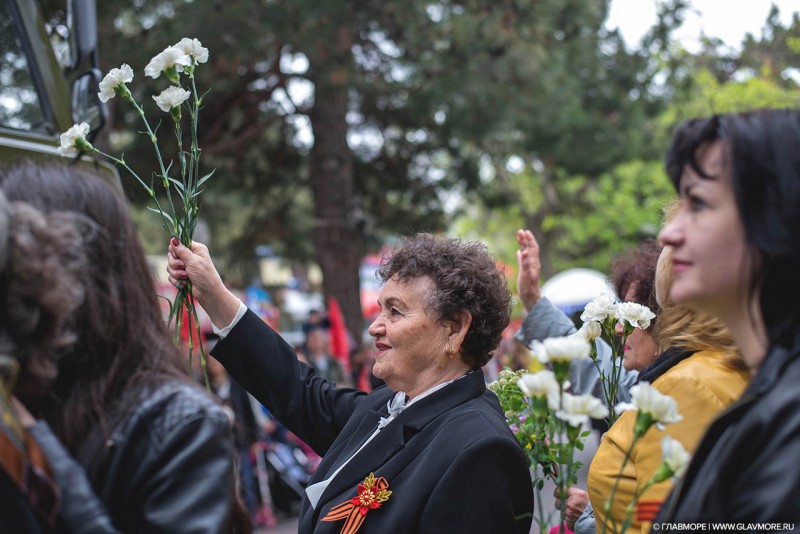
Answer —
745 468
167 466
81 509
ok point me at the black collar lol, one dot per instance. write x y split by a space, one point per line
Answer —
666 361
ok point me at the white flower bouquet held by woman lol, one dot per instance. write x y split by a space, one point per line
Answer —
600 317
178 202
548 421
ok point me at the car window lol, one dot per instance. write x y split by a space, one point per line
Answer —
20 107
58 31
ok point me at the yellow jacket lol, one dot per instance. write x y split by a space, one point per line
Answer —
702 384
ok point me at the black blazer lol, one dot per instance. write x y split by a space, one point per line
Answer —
450 461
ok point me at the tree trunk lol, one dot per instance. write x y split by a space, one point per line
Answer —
338 239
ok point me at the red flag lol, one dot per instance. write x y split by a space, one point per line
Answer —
340 346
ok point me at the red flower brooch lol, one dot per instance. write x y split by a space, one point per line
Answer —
371 494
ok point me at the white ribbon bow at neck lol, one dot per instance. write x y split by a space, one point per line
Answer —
396 405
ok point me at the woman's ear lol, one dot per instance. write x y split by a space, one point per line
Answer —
458 331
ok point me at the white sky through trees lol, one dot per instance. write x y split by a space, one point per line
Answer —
728 20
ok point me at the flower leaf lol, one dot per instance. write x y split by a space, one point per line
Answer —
205 178
162 213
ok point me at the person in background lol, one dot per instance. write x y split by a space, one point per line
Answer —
246 430
735 255
435 437
316 319
319 356
157 449
361 362
543 319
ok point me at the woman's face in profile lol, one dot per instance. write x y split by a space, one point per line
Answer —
640 348
707 238
411 342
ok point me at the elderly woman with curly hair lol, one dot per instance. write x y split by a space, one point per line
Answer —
428 453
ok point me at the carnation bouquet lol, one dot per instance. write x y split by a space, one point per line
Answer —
548 421
174 190
600 318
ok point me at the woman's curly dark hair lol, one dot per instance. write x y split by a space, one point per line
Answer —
636 267
40 291
465 277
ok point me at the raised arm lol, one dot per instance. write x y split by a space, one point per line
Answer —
543 320
529 269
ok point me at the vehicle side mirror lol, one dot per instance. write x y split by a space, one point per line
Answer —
86 106
84 14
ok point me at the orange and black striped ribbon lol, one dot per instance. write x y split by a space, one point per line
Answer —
353 514
647 510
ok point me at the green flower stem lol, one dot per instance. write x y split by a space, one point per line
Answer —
564 457
617 355
150 191
543 519
609 502
608 398
161 166
195 116
644 420
150 134
626 523
179 137
193 310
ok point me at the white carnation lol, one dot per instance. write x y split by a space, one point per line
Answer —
561 349
171 56
69 138
193 48
590 331
662 408
171 97
635 314
599 309
674 455
576 410
539 384
115 77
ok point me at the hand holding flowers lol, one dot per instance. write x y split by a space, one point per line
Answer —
178 204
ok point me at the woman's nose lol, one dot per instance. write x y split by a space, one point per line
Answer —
375 327
618 328
670 234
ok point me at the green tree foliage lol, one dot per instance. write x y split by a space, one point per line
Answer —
775 52
611 213
407 99
335 124
582 220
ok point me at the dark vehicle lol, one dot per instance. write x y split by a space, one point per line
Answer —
48 80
